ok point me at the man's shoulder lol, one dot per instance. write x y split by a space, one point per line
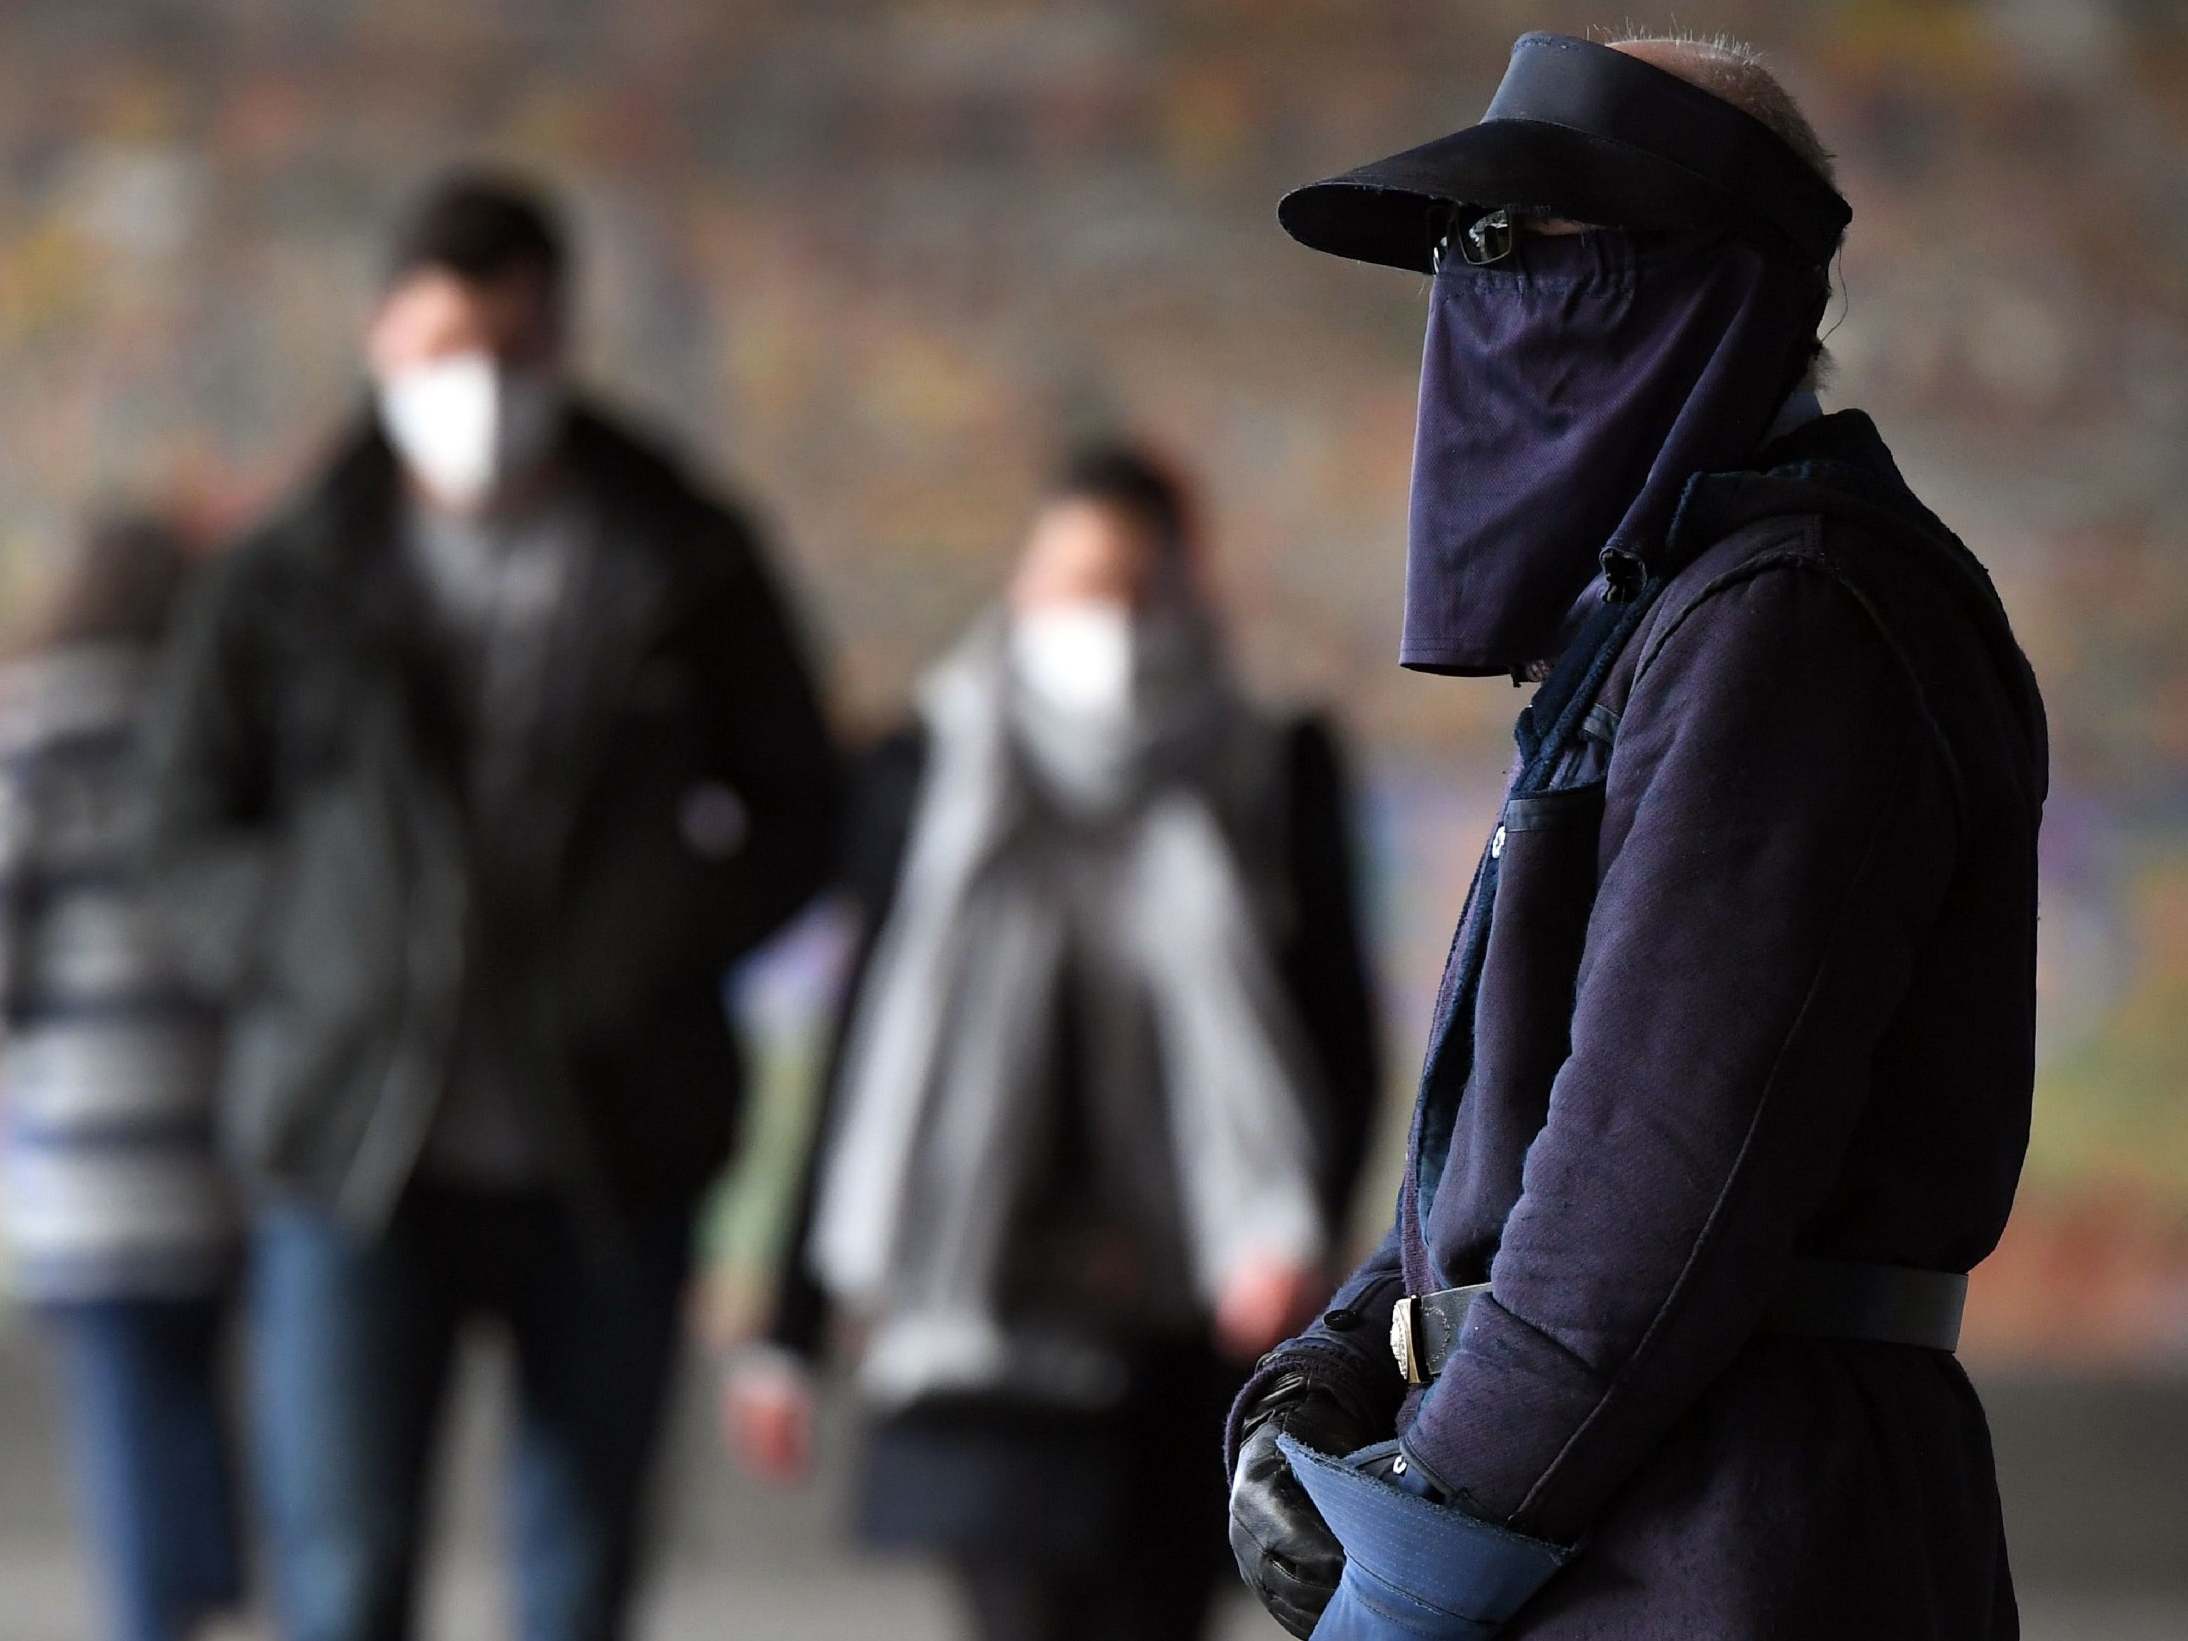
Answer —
1759 558
1799 591
1832 511
1829 493
283 557
1830 572
299 536
645 474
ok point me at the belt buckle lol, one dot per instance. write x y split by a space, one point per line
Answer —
1405 1323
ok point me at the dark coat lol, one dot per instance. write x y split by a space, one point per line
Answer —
965 1474
1748 977
312 835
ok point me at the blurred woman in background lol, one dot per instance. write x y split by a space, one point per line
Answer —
120 1228
1105 1072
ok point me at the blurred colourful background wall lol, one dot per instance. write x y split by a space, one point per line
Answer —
877 261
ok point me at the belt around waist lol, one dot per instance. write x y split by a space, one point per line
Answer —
1822 1299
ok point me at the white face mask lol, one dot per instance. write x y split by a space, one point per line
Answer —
466 424
1079 657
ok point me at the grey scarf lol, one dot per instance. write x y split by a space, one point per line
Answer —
1136 870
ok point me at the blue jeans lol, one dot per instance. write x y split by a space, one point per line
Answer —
147 1407
355 1343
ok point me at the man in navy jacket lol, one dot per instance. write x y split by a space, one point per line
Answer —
1729 1080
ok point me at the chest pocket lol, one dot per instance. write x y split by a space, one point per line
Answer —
1544 852
1546 865
1504 1021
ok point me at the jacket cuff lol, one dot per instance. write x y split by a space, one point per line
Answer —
1412 1568
1346 1353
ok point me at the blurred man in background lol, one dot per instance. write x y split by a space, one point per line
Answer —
121 1229
481 763
1729 1081
1106 1071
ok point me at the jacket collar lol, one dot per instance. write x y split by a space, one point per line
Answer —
350 510
662 556
1839 467
1836 464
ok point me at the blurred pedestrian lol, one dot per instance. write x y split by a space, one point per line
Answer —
1106 1070
121 1230
1729 1082
483 761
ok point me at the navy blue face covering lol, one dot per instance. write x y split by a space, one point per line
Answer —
1568 393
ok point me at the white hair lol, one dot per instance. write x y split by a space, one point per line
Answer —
1734 71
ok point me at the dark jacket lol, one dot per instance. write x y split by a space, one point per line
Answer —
1747 976
1323 962
312 832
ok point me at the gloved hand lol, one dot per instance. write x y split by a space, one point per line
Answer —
1418 1566
1288 1557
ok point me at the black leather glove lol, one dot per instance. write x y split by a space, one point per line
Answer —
1288 1557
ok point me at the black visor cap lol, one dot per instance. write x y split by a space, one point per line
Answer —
1582 131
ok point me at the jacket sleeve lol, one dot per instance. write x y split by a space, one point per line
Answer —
1325 961
1779 826
876 831
777 751
209 779
1346 1352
